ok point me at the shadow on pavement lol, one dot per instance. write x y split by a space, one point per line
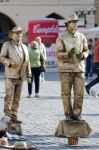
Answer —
52 76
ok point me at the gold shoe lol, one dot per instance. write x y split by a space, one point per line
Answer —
15 119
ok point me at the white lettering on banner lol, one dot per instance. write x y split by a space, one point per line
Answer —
38 29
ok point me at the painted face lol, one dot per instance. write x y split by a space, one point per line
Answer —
17 36
72 25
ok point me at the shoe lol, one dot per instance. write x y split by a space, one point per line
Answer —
77 118
68 118
5 119
87 89
90 75
36 95
42 79
15 119
29 96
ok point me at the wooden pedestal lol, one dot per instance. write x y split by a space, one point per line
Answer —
73 140
73 130
14 128
67 128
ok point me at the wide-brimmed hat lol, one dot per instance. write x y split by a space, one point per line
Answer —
15 30
22 145
71 18
4 142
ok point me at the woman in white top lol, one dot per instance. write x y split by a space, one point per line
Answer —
43 50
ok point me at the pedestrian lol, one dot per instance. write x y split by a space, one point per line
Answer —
95 68
43 50
71 52
89 60
35 56
15 57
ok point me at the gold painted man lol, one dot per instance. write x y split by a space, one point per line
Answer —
71 52
14 55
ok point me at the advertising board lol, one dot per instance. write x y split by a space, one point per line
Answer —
48 31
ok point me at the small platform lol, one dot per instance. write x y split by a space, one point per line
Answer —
14 128
73 130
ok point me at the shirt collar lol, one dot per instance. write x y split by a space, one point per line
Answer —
69 34
17 44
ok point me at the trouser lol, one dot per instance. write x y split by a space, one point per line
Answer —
13 89
72 82
93 82
96 80
89 66
36 77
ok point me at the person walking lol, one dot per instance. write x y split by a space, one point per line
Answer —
15 57
43 50
95 68
35 56
89 60
71 52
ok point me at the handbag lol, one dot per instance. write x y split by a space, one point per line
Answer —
42 67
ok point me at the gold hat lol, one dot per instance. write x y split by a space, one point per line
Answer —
4 142
22 145
15 30
71 18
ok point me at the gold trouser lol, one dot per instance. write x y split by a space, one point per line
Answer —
13 89
72 92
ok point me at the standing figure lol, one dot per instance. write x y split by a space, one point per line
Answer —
95 68
89 60
43 50
35 55
71 52
15 57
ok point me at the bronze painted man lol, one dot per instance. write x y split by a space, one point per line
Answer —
71 52
14 55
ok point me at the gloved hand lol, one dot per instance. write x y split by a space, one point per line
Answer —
71 52
29 80
13 64
80 56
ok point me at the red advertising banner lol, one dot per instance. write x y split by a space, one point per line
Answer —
48 31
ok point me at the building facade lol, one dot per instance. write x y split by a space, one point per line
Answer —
20 12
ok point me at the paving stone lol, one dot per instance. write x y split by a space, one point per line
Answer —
41 116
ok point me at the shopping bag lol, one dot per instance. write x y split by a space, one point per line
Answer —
43 67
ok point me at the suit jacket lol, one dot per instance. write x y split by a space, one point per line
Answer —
14 64
64 44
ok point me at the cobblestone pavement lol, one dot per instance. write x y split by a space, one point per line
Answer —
41 116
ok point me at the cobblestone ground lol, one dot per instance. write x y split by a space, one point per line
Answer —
41 116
